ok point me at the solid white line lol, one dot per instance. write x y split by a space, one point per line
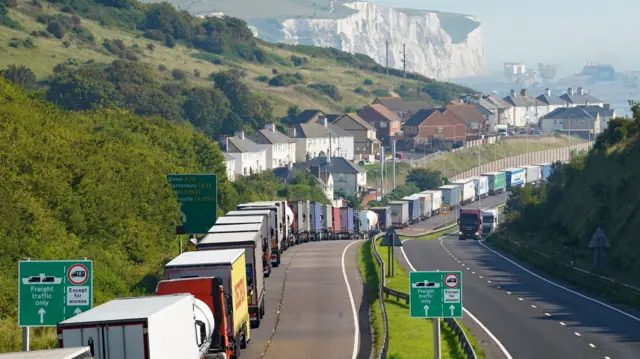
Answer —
486 330
561 287
356 325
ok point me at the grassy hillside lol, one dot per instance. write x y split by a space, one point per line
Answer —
93 185
168 40
598 189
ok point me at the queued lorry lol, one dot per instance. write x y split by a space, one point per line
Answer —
59 353
497 182
347 227
470 223
515 177
278 213
414 208
424 208
451 195
327 221
336 222
545 170
227 265
436 200
266 239
399 214
315 219
301 227
482 186
384 216
156 327
274 254
532 174
240 237
468 189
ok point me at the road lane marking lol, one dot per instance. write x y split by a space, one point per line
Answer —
533 306
480 277
562 323
577 334
591 345
508 292
520 299
547 314
561 287
356 324
486 330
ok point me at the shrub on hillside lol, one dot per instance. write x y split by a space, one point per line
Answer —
56 29
367 82
286 79
20 75
327 89
178 74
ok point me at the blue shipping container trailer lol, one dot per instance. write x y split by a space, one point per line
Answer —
514 176
451 195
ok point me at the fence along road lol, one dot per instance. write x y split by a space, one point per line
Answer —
311 311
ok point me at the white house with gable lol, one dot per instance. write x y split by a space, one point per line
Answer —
250 157
526 110
230 163
322 138
281 149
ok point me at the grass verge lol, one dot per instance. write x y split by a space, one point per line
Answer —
433 235
408 338
588 282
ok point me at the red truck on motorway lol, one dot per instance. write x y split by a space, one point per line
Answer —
470 222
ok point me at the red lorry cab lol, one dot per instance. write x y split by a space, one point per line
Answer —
470 222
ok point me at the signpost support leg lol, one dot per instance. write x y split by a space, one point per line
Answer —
436 338
180 239
392 260
25 339
389 261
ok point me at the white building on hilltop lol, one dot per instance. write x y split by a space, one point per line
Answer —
281 149
250 157
319 139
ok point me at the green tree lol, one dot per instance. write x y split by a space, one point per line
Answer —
207 109
424 178
21 75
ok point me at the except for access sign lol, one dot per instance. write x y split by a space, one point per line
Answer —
435 294
50 292
197 195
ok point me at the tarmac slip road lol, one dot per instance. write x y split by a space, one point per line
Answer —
311 311
531 315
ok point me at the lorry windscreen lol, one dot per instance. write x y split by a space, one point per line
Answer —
487 219
468 219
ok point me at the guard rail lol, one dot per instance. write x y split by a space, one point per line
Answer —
383 309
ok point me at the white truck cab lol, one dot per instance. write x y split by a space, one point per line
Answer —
489 221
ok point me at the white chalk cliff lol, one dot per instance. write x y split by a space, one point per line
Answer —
441 46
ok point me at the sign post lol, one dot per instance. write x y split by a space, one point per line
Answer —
197 194
445 209
50 292
599 243
390 240
435 295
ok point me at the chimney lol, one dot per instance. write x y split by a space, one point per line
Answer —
547 92
270 126
513 93
239 134
315 170
323 121
606 106
586 102
580 90
224 142
523 92
570 91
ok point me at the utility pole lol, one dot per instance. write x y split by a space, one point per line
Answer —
404 60
393 166
386 46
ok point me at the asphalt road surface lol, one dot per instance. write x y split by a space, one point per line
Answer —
530 316
439 220
308 307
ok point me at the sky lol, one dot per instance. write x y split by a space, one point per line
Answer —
567 33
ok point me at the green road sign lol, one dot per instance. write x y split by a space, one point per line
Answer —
435 294
50 292
197 195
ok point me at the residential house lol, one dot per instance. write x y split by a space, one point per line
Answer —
230 163
429 126
250 157
324 179
386 123
308 116
572 120
367 146
572 99
525 110
348 178
470 115
551 102
504 109
605 112
322 139
281 149
404 109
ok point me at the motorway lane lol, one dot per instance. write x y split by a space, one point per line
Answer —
526 333
309 313
439 220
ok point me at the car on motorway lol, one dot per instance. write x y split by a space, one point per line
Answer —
425 284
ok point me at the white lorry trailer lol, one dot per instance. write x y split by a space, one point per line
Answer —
281 242
236 238
266 238
468 187
64 353
436 200
159 327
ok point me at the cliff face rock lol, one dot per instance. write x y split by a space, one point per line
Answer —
438 45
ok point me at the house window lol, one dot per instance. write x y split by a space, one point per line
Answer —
383 124
474 125
439 129
582 121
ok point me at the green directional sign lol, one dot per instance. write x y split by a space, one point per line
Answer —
50 292
197 195
435 294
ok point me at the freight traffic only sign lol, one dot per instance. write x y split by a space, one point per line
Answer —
435 294
197 195
50 292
